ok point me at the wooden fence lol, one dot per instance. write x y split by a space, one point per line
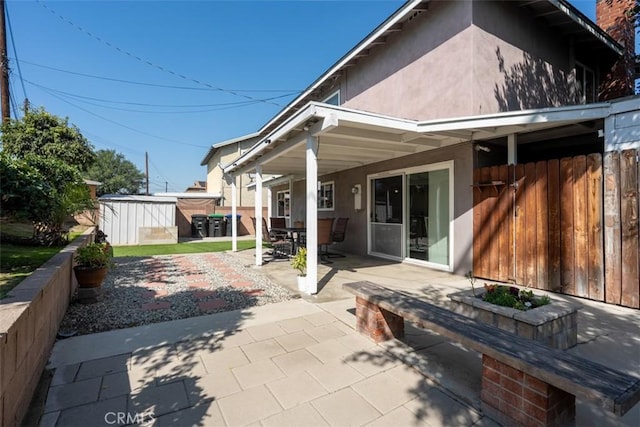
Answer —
567 225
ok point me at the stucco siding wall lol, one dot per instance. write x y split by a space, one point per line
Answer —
214 174
515 65
215 179
422 73
463 58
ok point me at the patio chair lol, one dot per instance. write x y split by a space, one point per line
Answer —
281 248
325 237
338 235
277 222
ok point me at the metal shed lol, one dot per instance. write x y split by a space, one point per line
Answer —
132 219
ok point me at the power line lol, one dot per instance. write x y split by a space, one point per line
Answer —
147 62
124 126
158 170
15 52
76 98
110 144
238 103
296 91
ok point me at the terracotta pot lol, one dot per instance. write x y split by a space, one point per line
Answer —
89 277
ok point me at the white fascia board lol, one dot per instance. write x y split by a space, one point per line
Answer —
574 113
300 117
597 32
221 144
332 116
363 45
626 104
366 118
234 140
272 182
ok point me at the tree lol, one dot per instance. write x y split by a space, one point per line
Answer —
24 192
45 191
47 135
117 174
40 178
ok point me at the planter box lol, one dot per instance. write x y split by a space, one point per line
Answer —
554 324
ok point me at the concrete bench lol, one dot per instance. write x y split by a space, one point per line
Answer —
523 382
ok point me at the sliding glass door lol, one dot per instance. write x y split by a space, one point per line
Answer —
386 216
411 215
427 234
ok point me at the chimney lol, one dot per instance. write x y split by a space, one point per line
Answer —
616 17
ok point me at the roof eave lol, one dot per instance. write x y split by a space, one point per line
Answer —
514 118
221 144
588 25
397 16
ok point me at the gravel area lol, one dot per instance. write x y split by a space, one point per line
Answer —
183 285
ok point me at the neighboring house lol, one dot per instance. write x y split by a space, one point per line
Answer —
221 154
92 217
93 187
404 133
197 187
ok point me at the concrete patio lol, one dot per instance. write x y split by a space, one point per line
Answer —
301 362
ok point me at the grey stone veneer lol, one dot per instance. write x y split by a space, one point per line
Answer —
554 324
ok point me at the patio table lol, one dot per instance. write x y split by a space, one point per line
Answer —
294 232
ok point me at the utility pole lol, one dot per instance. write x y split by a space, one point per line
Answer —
4 65
146 169
166 186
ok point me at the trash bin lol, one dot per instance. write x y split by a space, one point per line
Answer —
216 224
199 225
228 220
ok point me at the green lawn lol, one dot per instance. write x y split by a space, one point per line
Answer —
179 248
18 262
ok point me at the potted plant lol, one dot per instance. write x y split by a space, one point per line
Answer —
93 261
299 262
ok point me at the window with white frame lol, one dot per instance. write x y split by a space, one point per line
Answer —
333 99
586 82
283 204
325 196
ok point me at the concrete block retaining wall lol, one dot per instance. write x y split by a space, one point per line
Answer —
29 319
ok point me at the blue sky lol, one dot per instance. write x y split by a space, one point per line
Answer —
240 62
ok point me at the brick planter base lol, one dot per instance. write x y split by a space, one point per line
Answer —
377 323
514 398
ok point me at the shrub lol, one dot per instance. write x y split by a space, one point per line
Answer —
510 296
95 255
299 261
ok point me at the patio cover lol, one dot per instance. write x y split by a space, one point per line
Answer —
320 139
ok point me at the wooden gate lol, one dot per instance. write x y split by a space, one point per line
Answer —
568 225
